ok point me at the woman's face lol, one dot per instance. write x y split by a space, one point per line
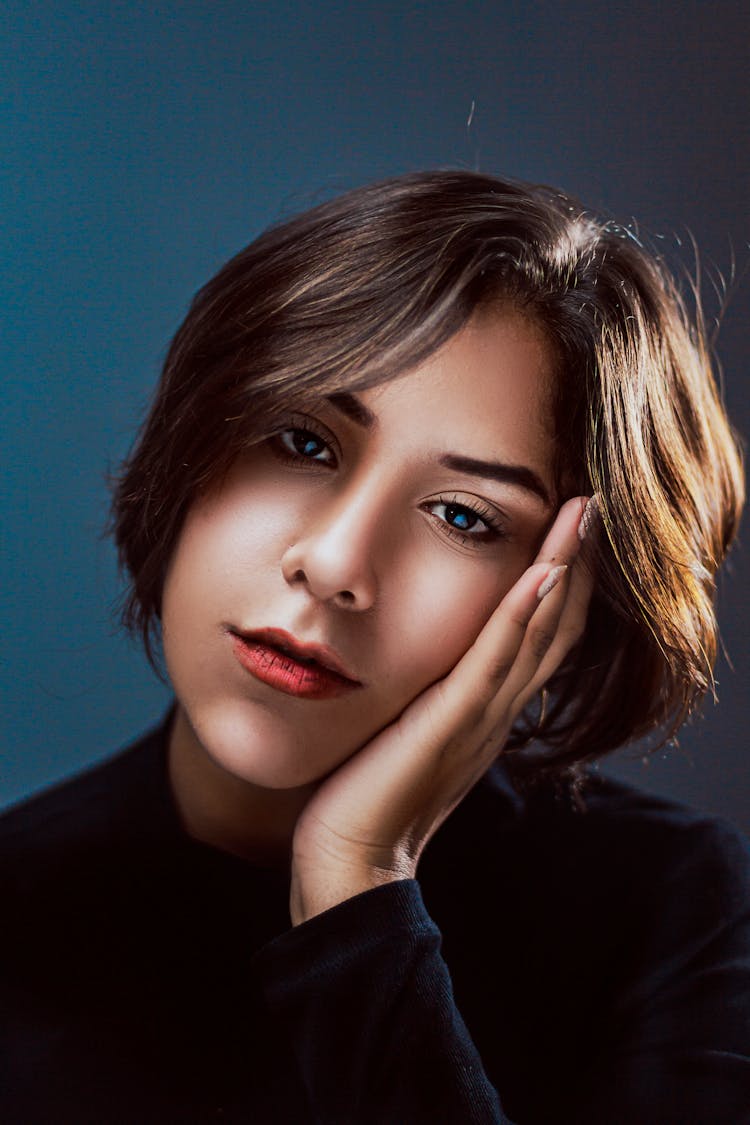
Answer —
365 538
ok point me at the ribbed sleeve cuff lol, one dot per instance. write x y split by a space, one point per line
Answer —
350 932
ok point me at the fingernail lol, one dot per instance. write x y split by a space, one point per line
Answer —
589 517
550 581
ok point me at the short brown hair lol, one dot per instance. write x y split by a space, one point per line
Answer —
359 289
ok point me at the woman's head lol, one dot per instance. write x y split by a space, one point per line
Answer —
358 291
386 526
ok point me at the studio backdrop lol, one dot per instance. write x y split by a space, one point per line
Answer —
143 144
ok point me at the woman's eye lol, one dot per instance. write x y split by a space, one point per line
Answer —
468 523
301 444
459 517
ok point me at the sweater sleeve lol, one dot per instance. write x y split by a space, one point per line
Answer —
365 999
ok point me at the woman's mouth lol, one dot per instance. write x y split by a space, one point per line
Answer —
295 675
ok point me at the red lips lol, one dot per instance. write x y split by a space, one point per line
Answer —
278 659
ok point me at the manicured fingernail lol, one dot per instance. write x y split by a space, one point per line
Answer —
550 581
589 517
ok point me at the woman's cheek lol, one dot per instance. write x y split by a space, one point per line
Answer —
447 608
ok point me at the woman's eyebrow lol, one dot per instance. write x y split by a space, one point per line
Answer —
353 408
519 475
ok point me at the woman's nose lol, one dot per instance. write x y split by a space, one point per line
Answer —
334 556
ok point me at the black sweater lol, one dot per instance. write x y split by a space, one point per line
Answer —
550 965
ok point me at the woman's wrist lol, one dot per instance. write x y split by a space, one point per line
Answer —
328 888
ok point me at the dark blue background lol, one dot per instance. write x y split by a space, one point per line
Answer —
143 144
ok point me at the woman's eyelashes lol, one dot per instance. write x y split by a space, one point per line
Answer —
302 443
464 522
475 524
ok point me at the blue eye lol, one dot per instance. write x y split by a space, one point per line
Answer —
462 518
469 525
304 445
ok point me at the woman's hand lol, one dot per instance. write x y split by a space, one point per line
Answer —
369 821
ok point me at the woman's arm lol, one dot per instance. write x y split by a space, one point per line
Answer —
361 983
364 997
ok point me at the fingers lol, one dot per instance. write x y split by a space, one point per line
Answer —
527 636
553 632
536 624
563 542
486 667
559 621
571 623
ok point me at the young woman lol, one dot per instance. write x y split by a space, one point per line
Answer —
426 516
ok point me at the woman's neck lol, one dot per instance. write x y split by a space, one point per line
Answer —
226 812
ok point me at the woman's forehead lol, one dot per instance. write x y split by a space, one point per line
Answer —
487 389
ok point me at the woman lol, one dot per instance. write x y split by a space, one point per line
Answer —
426 515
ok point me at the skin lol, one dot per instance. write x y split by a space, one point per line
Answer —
347 538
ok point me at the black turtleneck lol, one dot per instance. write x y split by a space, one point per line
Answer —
549 965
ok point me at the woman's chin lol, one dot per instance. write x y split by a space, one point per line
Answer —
257 747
